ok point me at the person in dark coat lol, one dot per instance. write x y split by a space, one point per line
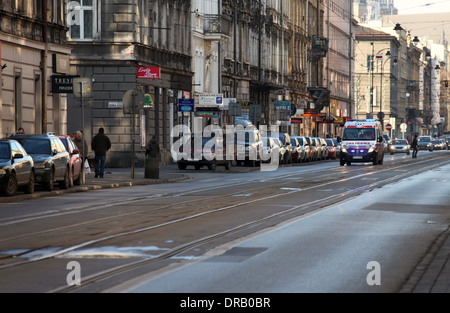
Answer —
100 144
415 147
152 149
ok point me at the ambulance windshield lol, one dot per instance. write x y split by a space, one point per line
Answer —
359 134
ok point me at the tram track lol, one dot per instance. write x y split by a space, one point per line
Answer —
239 230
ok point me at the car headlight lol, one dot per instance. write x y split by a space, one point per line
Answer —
372 149
2 172
343 150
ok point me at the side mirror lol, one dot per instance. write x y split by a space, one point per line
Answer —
18 156
380 139
55 152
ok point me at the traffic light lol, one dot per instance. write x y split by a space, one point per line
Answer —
446 83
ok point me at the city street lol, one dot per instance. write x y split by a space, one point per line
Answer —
317 227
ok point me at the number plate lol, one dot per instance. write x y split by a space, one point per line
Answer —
357 157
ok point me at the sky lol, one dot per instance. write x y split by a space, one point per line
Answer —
422 6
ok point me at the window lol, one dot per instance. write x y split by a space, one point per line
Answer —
81 19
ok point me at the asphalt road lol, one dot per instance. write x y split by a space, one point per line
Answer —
301 228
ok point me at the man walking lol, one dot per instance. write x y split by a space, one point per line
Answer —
415 146
100 144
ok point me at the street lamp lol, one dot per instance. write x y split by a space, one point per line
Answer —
394 62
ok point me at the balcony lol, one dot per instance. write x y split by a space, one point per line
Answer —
215 27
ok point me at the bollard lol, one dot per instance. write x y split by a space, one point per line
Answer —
151 167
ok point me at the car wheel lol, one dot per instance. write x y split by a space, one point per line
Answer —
342 162
29 188
228 165
64 184
349 163
181 166
11 186
197 167
49 184
212 165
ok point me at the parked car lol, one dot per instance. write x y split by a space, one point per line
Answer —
281 150
319 148
285 141
297 150
325 150
304 146
51 160
16 168
399 146
212 152
425 143
269 147
331 148
338 147
249 145
76 162
444 144
312 148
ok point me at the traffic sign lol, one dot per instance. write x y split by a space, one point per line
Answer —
133 101
389 127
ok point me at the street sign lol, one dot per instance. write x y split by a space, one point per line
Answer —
82 86
210 100
403 127
389 127
185 105
293 109
133 101
380 115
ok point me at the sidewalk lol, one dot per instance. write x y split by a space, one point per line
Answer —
113 178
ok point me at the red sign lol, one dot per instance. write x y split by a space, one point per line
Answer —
148 72
388 127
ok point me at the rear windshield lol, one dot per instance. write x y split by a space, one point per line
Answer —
424 139
5 152
36 146
400 142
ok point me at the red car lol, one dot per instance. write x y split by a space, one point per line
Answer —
332 149
76 163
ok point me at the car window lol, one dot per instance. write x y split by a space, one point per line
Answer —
36 146
5 152
424 139
66 147
72 145
400 142
15 148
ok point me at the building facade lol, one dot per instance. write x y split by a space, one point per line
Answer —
33 50
109 43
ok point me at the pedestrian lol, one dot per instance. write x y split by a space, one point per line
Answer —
81 144
415 147
20 130
100 144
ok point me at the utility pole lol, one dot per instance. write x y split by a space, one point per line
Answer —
44 67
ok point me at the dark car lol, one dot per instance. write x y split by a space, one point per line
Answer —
211 153
425 143
51 160
76 163
16 168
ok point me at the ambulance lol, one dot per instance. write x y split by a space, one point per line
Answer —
362 142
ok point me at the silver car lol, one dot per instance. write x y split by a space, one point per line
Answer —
399 146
